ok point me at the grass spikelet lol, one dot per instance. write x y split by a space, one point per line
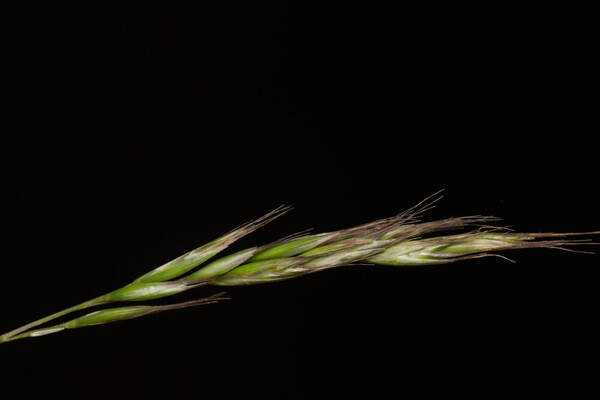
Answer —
185 263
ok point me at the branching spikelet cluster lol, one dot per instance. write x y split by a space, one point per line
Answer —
402 240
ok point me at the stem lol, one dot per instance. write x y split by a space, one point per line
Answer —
30 333
82 306
8 336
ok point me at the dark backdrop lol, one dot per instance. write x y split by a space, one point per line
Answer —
141 135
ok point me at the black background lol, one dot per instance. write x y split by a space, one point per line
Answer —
141 135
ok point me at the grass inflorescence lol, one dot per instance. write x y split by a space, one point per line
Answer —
401 240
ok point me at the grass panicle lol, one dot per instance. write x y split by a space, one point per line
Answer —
401 240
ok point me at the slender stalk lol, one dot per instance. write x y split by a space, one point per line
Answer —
82 306
132 292
116 314
30 334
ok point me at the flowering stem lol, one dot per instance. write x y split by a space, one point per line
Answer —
82 306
